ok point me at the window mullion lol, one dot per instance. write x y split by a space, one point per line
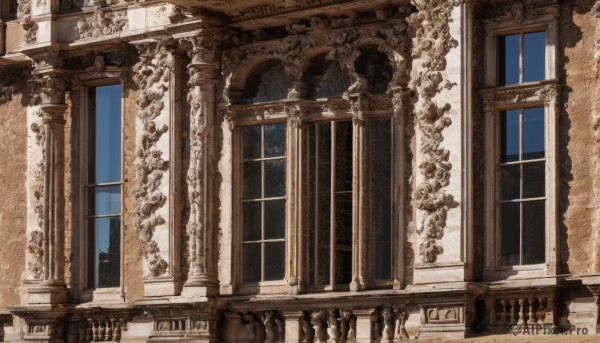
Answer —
332 243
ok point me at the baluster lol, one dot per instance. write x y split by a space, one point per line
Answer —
109 330
95 330
491 305
541 312
521 320
101 329
512 303
81 332
531 319
88 334
504 306
117 334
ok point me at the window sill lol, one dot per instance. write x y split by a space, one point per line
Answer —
516 272
102 295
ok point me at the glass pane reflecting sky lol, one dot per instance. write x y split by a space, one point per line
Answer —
534 56
108 134
509 59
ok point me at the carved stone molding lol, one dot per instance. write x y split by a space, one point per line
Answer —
152 75
199 229
431 26
343 45
102 23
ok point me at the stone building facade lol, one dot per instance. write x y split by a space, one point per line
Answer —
298 170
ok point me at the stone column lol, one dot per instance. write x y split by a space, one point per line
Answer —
441 114
202 224
44 278
360 194
157 210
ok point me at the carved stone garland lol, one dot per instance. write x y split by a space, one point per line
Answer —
431 44
29 26
35 242
200 96
102 24
345 43
152 75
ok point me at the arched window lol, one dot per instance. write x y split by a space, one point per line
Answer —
324 79
374 66
268 82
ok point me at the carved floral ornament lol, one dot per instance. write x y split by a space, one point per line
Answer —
152 76
432 42
343 45
102 23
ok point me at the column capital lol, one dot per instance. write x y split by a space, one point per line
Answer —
202 48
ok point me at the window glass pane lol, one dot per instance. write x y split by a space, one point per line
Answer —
343 219
343 265
510 186
108 252
343 156
509 126
252 141
274 261
534 180
274 219
251 262
510 224
533 133
274 178
12 7
323 202
252 221
252 180
311 166
381 199
534 237
508 49
275 140
108 134
105 200
534 56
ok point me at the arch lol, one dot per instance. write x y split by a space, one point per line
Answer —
324 78
374 66
268 81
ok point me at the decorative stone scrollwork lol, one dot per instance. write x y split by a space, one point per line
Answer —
101 24
389 39
35 248
202 79
29 26
431 45
152 75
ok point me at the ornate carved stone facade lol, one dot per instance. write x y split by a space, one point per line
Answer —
356 87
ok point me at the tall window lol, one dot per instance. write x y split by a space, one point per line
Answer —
522 58
330 199
104 186
522 167
381 198
522 164
264 202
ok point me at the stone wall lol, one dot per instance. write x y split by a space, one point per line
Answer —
578 144
132 266
13 149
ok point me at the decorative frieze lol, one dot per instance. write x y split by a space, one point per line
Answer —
152 75
343 46
431 45
102 23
